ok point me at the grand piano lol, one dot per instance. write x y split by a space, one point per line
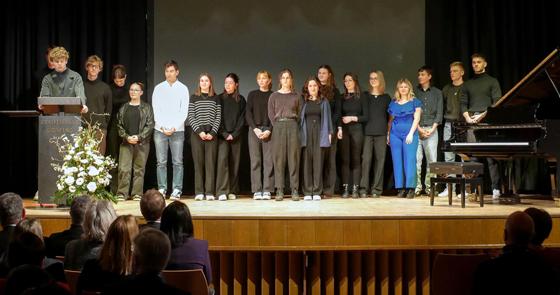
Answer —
525 122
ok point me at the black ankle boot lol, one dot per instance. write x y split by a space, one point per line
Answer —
345 192
402 193
410 194
355 191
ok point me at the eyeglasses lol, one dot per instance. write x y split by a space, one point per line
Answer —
135 90
373 79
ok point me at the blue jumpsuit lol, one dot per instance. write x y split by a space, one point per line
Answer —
404 155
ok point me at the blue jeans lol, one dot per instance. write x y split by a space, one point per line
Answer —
163 143
429 147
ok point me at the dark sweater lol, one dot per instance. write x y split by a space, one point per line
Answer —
283 106
257 108
336 106
233 115
353 106
99 101
119 96
452 102
204 114
377 114
479 93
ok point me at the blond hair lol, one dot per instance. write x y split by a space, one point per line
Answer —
58 53
381 79
410 93
268 75
94 59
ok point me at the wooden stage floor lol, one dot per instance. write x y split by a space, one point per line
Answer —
386 222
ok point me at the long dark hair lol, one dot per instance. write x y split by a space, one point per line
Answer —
330 86
305 90
235 79
211 91
356 88
176 223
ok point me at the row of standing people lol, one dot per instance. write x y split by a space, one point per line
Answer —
358 120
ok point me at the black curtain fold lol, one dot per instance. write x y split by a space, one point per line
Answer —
114 30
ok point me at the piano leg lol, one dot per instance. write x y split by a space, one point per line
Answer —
450 192
463 191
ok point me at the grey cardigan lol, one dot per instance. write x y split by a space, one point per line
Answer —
73 86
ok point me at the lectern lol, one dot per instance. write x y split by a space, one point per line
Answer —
61 115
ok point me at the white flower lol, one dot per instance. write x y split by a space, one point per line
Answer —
74 169
82 174
59 186
92 171
67 158
98 162
72 189
84 161
69 180
91 187
68 171
79 181
71 151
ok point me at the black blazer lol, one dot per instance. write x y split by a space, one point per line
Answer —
192 254
56 243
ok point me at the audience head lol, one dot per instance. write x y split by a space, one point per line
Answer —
116 254
519 229
26 248
11 209
543 225
152 205
151 251
25 279
78 208
176 223
99 216
31 225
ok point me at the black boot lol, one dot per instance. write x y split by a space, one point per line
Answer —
345 192
355 191
279 195
295 195
402 193
410 194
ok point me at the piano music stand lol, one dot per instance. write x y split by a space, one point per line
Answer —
61 115
460 169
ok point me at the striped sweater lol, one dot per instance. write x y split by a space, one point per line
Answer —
204 114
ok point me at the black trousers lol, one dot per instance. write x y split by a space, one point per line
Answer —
329 168
204 159
286 150
313 159
351 146
375 147
262 165
229 156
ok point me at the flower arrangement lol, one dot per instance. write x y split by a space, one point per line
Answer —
84 170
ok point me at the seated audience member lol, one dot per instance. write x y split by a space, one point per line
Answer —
56 243
186 251
151 253
543 227
99 216
53 266
30 279
151 206
115 258
11 212
517 270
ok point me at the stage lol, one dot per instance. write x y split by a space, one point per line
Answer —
336 223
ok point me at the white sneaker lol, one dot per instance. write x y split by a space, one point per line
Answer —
210 198
176 195
307 198
316 198
231 196
257 196
445 193
162 192
496 194
266 196
222 198
199 197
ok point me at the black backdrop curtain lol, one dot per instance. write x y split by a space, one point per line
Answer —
513 35
114 30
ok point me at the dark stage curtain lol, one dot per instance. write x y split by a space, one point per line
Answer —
513 35
114 30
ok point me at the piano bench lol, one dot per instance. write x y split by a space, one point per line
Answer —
461 182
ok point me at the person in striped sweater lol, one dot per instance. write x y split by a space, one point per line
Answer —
204 118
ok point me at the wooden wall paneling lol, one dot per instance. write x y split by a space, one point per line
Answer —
267 272
383 272
327 272
215 262
313 273
410 271
239 272
296 271
355 267
397 271
424 267
369 273
341 270
253 273
281 273
226 273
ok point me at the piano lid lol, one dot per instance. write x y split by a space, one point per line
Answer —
542 82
